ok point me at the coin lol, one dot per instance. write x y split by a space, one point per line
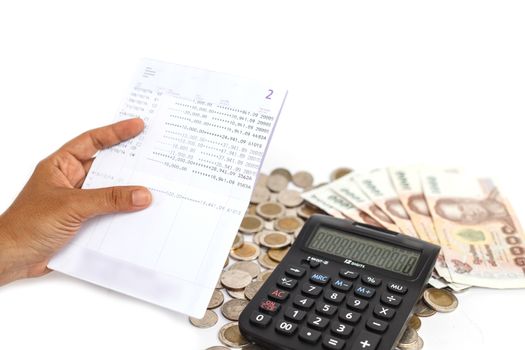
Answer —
275 239
256 237
216 299
247 266
238 241
339 172
423 310
209 320
235 279
251 209
306 210
415 323
252 289
278 254
266 262
277 183
248 251
263 276
230 335
270 210
408 339
236 294
260 194
261 180
226 262
232 309
219 284
440 300
219 348
288 224
303 179
282 171
290 198
251 224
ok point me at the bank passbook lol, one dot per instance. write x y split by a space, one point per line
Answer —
342 285
206 136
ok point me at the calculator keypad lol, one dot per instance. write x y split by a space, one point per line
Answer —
330 310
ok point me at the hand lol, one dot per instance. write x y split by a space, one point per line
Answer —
52 207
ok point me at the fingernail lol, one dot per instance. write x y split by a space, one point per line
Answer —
141 198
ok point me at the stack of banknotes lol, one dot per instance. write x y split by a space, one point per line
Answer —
482 243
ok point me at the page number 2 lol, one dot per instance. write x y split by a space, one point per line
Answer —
270 93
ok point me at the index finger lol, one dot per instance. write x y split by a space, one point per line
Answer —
86 145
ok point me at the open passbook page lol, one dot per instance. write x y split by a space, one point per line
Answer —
205 139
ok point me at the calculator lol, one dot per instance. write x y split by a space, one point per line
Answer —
342 285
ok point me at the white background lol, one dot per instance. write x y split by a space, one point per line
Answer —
370 84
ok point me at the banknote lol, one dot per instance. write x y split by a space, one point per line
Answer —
324 198
348 189
480 235
376 184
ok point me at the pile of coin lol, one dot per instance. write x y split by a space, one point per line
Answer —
272 222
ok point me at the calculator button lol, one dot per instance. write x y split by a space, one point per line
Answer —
364 292
391 299
319 278
366 341
397 288
269 306
295 271
285 327
309 335
303 302
352 275
326 309
278 294
333 343
294 314
356 303
318 322
312 290
341 285
342 330
286 283
334 297
371 280
384 312
377 325
260 320
349 316
314 263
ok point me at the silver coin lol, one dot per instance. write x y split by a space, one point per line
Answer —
238 242
277 183
261 180
303 179
236 294
235 279
290 198
216 299
283 172
260 194
230 335
232 308
252 289
263 276
247 266
209 320
408 339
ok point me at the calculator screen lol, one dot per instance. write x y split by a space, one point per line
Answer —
364 250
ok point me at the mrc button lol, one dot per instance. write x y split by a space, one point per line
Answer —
397 288
319 278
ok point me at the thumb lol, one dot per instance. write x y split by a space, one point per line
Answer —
102 201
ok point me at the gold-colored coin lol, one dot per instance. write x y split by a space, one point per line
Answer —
422 310
303 179
270 210
263 276
247 266
440 300
216 299
232 309
236 294
252 289
266 262
275 239
278 255
277 183
209 320
408 339
235 279
230 335
283 172
290 198
306 210
415 323
260 194
238 241
339 172
288 224
248 251
251 224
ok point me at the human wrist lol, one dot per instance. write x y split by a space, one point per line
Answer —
9 264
